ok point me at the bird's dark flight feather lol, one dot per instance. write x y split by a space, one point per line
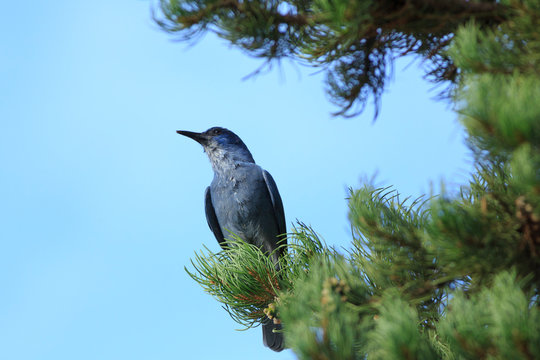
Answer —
277 204
211 218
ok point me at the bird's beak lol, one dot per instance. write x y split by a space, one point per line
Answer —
201 138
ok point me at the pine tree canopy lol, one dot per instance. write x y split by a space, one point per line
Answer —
454 276
355 41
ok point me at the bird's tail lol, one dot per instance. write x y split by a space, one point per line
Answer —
271 339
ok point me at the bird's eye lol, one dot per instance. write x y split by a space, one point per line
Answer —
216 132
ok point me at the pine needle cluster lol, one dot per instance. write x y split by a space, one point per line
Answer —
247 282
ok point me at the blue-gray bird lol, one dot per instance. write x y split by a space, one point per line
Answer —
243 199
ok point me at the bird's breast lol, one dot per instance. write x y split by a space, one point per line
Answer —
242 204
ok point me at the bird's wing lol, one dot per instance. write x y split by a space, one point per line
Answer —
276 202
211 218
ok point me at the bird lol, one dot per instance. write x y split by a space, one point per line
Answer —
243 199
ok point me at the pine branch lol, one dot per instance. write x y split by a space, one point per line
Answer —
245 280
354 40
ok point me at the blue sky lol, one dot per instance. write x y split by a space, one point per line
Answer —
101 202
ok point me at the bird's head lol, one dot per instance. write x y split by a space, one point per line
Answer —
224 148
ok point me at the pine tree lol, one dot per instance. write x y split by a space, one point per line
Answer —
450 277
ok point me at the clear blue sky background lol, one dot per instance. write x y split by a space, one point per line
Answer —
101 202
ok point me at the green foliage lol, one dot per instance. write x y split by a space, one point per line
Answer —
388 246
247 281
355 41
325 313
496 323
453 277
386 233
492 123
241 277
396 333
514 45
498 105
